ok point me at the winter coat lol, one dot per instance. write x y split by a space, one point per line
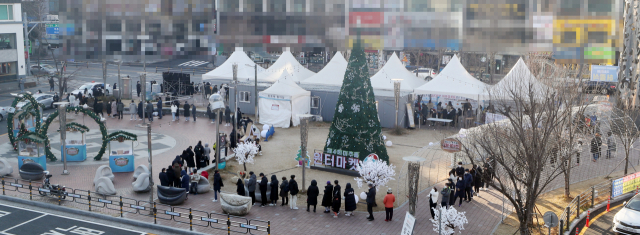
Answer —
388 200
185 180
186 109
371 195
596 144
206 152
312 193
459 171
240 188
106 108
177 173
98 107
149 109
171 175
460 188
174 108
337 198
293 187
446 192
120 107
349 198
189 159
284 188
433 196
140 109
199 152
164 179
179 159
138 87
227 113
452 194
193 111
468 180
217 182
251 185
274 188
328 192
264 183
114 107
478 177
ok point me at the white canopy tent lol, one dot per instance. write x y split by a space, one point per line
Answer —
331 75
287 62
518 82
225 71
394 69
455 80
283 102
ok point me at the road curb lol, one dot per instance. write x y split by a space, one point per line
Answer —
98 216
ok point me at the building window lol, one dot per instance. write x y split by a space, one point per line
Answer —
6 12
245 97
7 41
7 70
315 102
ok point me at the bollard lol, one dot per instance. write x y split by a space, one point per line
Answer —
3 186
578 206
228 224
30 194
59 203
120 206
608 203
268 227
593 195
156 69
190 220
588 214
561 227
155 221
568 213
89 198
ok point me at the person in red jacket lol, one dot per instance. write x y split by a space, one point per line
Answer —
388 201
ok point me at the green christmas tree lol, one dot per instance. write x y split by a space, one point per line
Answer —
355 130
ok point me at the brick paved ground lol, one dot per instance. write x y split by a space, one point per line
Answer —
483 213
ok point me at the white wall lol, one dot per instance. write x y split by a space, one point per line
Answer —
17 29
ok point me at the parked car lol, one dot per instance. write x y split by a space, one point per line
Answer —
89 86
43 69
3 112
45 100
599 87
627 220
425 73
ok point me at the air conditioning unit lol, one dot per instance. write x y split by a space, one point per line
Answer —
316 118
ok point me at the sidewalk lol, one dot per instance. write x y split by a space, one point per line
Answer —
483 213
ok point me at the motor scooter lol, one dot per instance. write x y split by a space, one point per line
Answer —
49 189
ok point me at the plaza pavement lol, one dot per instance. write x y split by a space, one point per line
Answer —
484 213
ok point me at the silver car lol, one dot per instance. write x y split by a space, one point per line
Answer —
46 100
627 220
43 69
3 112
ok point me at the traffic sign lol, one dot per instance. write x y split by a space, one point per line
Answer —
550 219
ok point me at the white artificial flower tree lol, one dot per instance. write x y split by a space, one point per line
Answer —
451 220
376 172
245 153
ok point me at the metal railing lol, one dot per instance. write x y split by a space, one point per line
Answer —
124 205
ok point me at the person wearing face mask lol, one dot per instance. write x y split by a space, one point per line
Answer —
460 190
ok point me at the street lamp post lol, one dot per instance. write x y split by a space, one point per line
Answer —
255 86
143 85
216 103
396 94
62 115
150 162
235 97
304 131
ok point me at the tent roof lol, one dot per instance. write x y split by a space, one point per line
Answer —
454 80
288 62
394 69
331 75
518 79
284 86
225 70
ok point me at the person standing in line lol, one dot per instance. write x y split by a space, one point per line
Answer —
164 179
336 199
371 199
159 105
477 179
293 190
251 186
207 154
349 200
215 89
263 190
284 191
51 84
326 198
596 144
460 190
108 108
188 157
446 192
227 116
199 152
171 176
240 188
174 109
184 182
193 112
388 201
433 201
120 109
133 110
459 170
140 109
468 185
177 174
452 193
186 111
217 185
138 88
611 144
274 184
97 107
149 111
312 195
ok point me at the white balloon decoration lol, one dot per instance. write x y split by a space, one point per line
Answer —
388 143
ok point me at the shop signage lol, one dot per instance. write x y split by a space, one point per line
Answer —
337 158
451 145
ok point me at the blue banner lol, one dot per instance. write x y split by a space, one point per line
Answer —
617 187
601 73
53 30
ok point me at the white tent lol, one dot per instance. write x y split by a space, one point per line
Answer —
519 82
394 69
225 71
287 62
281 103
455 80
331 75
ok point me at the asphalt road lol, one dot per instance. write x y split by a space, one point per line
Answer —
603 223
15 220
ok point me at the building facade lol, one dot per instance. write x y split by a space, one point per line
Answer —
12 53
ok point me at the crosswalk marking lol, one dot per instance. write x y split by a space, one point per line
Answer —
193 63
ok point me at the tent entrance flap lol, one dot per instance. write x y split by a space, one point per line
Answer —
276 112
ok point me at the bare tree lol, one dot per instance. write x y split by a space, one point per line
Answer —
624 128
521 146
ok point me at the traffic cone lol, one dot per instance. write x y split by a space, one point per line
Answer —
577 231
608 203
588 213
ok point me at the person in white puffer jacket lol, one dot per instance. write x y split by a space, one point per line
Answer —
433 201
174 109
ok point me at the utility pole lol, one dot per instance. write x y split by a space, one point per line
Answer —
119 82
25 26
62 115
235 97
104 78
217 148
150 162
304 131
255 70
143 80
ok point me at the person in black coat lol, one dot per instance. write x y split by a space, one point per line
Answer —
371 199
240 188
326 199
263 190
138 88
191 155
98 107
337 199
227 116
349 200
159 105
164 179
186 110
199 152
193 112
188 158
217 185
234 139
293 190
284 191
274 190
149 111
171 176
140 109
238 116
312 195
